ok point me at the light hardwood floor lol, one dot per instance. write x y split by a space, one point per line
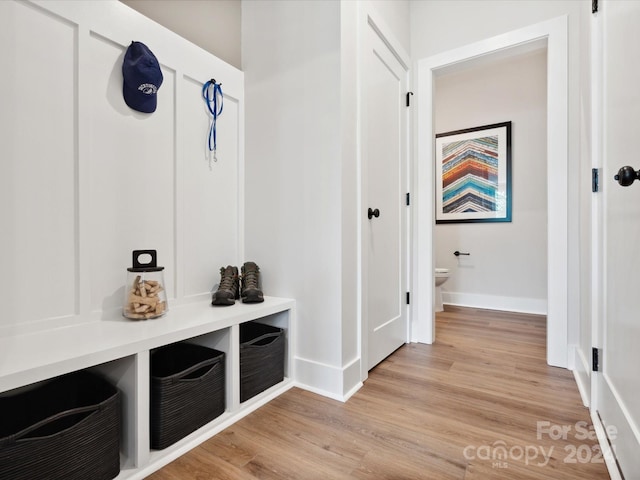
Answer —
439 411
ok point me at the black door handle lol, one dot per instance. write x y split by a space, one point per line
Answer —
626 176
373 213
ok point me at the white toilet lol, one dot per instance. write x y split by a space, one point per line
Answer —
441 274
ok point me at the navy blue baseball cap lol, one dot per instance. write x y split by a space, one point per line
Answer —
142 78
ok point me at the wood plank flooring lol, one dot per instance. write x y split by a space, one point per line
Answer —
467 407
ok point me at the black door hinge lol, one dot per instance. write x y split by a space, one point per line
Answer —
595 359
409 98
595 180
408 298
594 6
408 199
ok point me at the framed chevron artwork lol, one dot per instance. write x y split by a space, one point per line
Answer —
473 175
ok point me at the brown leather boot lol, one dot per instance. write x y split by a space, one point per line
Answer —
251 291
229 288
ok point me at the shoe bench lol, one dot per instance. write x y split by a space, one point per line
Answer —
118 348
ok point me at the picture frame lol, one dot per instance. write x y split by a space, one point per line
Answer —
473 175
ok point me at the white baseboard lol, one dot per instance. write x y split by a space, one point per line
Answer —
339 383
626 431
605 448
494 302
581 368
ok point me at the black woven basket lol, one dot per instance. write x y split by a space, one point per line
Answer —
187 391
261 358
65 429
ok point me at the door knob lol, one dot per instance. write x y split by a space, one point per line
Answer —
373 213
626 176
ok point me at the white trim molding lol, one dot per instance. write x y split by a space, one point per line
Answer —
534 306
555 33
339 383
581 368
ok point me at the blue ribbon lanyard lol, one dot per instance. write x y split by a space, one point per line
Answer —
213 96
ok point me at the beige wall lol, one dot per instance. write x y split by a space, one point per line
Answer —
508 262
213 25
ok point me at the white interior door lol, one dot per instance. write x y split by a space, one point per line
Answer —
384 187
618 388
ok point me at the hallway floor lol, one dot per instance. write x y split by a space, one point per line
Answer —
480 404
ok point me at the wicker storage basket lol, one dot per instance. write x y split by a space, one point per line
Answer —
66 429
187 391
261 358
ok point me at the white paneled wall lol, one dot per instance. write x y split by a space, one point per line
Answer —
38 215
84 180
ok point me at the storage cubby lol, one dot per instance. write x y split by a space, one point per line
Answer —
281 320
64 429
119 350
187 391
262 349
220 340
123 374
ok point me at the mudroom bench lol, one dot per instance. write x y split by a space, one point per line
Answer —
119 349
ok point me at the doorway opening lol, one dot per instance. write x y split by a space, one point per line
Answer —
554 34
504 264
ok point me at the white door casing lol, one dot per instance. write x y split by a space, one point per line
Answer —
555 33
384 153
617 384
